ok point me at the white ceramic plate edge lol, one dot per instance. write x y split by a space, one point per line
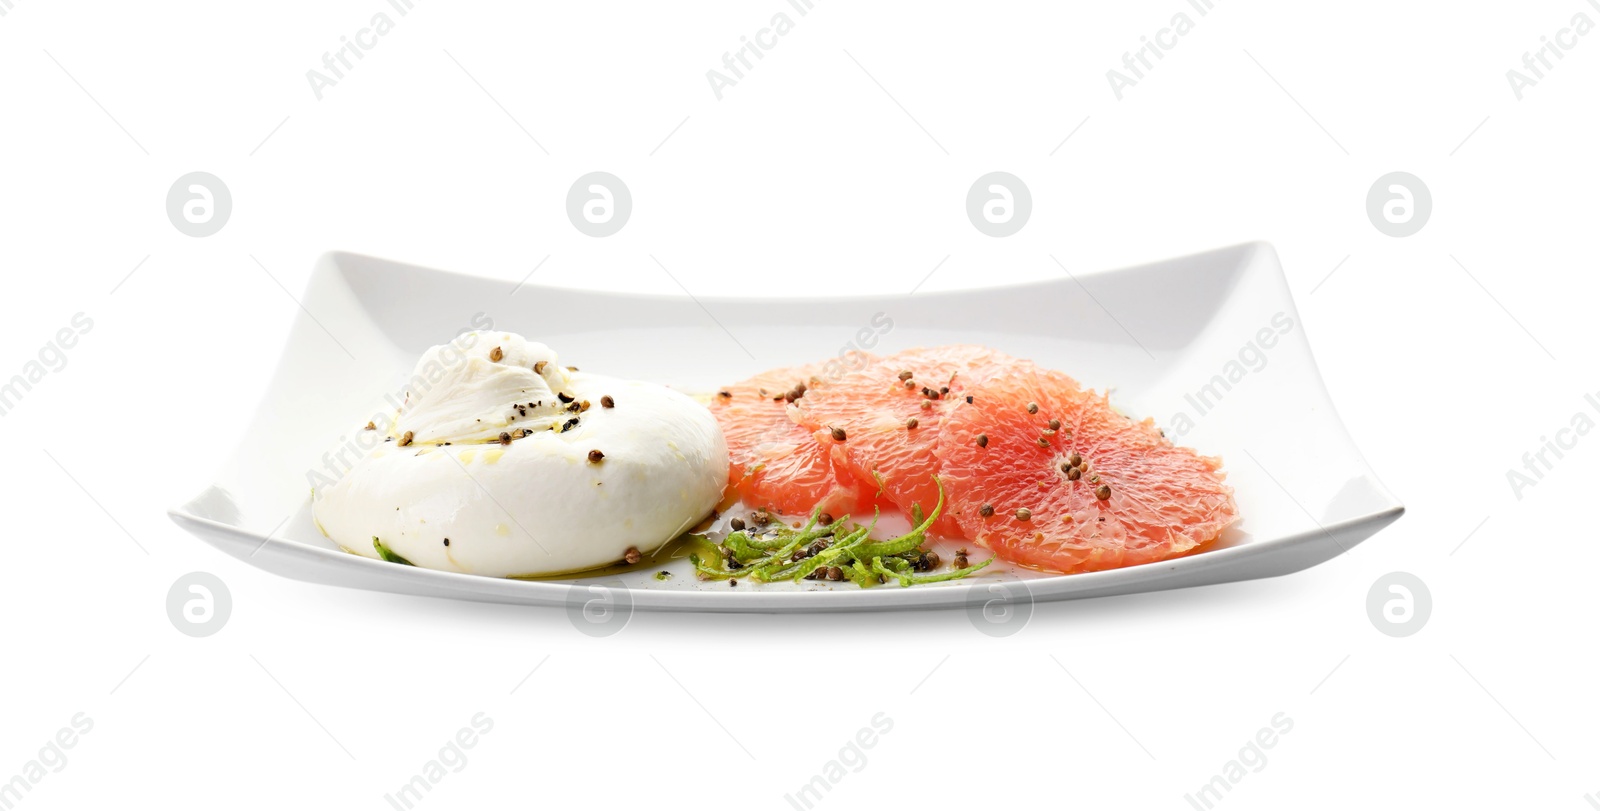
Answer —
1249 562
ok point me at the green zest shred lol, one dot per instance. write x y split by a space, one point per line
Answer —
955 574
388 554
768 556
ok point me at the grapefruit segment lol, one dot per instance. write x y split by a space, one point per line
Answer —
1096 491
883 421
773 462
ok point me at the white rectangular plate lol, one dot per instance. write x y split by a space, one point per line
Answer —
1209 345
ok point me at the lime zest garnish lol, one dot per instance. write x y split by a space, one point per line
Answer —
953 574
768 556
388 554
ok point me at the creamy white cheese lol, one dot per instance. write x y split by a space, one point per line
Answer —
542 504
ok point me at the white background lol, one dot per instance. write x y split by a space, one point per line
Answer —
808 176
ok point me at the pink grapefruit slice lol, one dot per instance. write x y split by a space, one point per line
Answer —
1050 476
773 462
883 421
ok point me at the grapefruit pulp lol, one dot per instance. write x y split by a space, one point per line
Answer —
1096 491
